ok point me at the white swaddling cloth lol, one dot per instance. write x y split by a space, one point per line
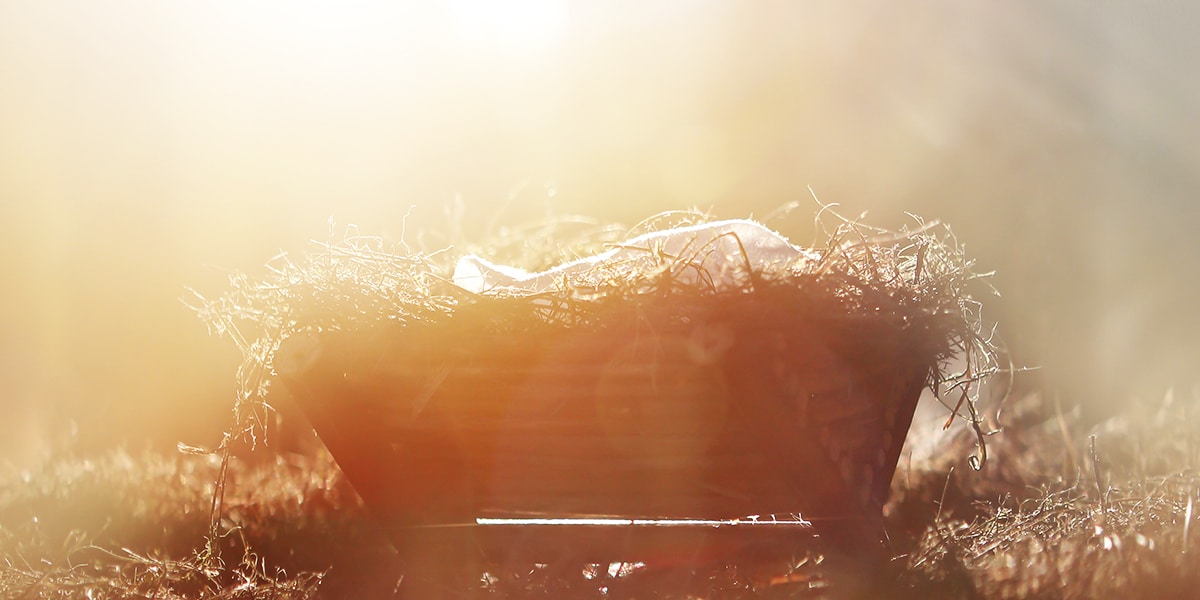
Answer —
710 252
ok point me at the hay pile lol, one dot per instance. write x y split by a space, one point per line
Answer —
873 282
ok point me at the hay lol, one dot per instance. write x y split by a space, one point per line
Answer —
884 298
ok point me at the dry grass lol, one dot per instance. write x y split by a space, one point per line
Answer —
1070 511
132 526
1033 524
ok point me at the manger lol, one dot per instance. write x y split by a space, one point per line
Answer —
701 389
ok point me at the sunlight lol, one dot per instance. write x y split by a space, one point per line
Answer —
318 30
514 29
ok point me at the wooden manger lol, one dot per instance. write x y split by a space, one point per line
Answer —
644 422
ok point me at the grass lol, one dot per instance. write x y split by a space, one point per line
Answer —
1063 511
133 525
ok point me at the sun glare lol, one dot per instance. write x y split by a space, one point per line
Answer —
518 28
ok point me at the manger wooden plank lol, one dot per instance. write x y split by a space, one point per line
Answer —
431 439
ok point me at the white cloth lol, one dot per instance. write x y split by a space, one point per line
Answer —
707 252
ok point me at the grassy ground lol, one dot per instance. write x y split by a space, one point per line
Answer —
1061 511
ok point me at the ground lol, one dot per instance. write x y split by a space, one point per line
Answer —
1061 510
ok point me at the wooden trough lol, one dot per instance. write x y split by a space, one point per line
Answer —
726 433
620 414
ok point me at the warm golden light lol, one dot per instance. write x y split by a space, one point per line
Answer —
518 28
148 146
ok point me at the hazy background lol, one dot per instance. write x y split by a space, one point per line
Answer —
149 145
